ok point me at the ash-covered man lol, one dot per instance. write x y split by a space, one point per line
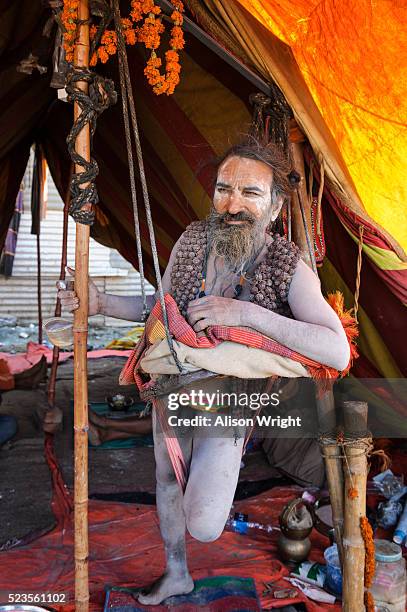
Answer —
250 278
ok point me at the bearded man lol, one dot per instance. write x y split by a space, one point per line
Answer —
229 270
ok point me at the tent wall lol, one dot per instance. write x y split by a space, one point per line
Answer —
350 56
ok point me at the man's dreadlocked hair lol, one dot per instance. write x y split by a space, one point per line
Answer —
270 154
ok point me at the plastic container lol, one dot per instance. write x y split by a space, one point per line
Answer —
240 524
401 529
59 331
333 581
389 583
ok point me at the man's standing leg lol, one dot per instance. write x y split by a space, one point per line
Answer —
176 579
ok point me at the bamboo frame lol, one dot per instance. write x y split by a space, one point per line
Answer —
355 468
80 331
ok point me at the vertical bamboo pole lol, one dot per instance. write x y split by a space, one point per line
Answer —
333 465
82 146
299 229
355 466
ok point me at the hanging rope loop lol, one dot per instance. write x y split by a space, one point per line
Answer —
101 95
320 193
129 108
358 272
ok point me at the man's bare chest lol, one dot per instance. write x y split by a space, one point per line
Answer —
223 281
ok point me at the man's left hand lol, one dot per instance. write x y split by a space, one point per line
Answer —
214 310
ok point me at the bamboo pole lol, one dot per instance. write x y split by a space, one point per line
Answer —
80 330
300 229
355 468
331 453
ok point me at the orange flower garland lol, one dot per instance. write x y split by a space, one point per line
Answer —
149 33
367 535
69 17
168 82
108 42
370 564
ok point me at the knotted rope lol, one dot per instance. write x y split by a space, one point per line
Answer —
359 440
101 95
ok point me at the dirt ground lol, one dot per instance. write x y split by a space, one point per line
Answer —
25 485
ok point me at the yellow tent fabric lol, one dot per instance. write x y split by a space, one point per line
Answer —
352 57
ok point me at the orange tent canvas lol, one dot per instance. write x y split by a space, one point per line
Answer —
352 58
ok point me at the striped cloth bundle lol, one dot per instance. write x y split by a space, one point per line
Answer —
182 332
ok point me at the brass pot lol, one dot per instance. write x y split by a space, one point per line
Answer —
294 543
293 550
292 532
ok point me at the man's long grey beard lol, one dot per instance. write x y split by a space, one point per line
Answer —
236 244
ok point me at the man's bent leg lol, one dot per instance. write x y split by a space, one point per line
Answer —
176 579
212 482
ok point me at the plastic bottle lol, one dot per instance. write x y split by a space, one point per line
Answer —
401 529
240 524
389 583
388 514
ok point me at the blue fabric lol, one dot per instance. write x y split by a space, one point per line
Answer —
8 427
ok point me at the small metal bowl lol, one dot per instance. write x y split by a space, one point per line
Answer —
119 402
323 518
59 332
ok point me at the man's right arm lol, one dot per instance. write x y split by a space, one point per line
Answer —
127 308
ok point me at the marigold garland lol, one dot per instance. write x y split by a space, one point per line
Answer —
369 602
353 493
167 83
149 33
367 535
69 18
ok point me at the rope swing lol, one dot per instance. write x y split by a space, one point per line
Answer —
128 105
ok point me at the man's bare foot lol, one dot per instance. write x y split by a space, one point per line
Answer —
97 419
95 436
167 586
52 420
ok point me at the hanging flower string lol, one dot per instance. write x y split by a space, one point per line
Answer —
166 83
69 18
368 539
148 33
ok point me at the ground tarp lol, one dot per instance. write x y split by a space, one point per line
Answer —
126 549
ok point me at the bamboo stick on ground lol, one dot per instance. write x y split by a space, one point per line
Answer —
82 146
355 469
